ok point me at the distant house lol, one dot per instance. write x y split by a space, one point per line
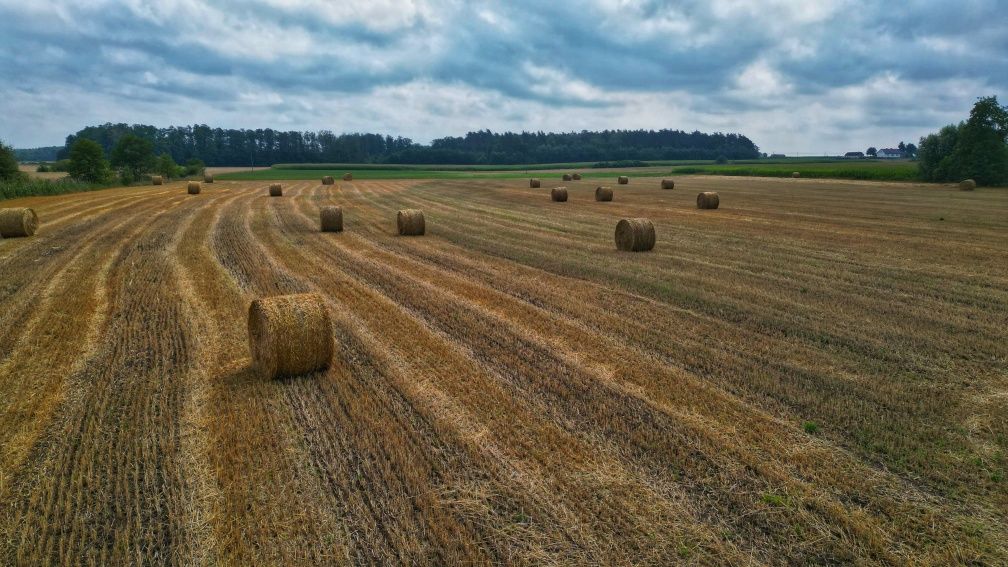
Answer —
854 155
889 153
777 156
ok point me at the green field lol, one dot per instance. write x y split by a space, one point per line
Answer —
807 167
872 170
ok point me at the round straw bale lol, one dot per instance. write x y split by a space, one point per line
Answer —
194 188
708 200
411 222
623 180
331 218
533 183
667 184
276 190
157 180
967 185
289 335
635 235
603 193
559 194
328 180
796 174
20 221
576 177
567 177
207 178
347 177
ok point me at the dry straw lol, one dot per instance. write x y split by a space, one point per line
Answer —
328 180
16 222
576 177
331 218
635 235
667 184
559 194
276 190
157 180
796 174
347 177
208 178
411 222
568 177
967 185
533 183
289 335
623 180
708 200
603 193
194 188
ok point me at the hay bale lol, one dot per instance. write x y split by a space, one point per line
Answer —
411 222
194 188
207 178
331 218
708 200
967 185
276 190
289 335
603 193
667 184
534 183
19 221
635 235
347 177
623 180
328 180
157 180
576 177
559 194
796 174
567 177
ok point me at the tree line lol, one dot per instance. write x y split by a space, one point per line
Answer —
242 147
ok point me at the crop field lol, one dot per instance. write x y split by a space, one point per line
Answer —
882 170
814 373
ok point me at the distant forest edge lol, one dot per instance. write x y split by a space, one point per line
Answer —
48 153
266 147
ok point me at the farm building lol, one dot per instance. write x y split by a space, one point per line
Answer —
854 155
889 153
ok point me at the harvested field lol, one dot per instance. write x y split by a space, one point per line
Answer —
815 374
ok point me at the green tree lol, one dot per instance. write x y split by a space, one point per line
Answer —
133 156
8 164
872 151
977 148
87 162
195 166
166 166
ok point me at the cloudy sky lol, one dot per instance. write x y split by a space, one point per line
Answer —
808 76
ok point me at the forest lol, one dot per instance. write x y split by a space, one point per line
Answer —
245 147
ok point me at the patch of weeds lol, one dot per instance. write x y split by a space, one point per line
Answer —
811 427
775 500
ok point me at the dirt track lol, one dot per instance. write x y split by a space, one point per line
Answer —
510 388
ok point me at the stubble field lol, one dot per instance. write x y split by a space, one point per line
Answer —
816 372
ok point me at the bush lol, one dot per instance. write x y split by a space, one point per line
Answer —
721 160
42 168
8 164
87 162
133 156
194 167
166 167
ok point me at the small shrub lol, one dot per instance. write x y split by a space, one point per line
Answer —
810 427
